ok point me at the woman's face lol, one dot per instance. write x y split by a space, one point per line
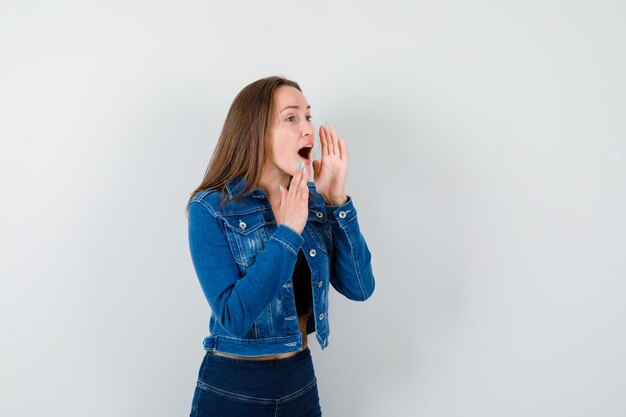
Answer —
292 134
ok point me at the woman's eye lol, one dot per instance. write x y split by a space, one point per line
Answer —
309 118
290 118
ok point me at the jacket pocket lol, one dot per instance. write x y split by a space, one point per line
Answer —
320 229
246 236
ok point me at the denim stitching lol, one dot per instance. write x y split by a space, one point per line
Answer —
267 339
318 239
250 398
357 269
299 392
236 395
285 245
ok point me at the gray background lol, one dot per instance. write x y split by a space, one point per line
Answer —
488 167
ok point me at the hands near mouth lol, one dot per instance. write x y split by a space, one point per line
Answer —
330 172
294 201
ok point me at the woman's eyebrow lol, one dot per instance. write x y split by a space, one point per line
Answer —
294 107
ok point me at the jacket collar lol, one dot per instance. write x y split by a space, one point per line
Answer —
237 184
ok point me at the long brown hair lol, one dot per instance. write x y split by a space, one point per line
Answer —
243 145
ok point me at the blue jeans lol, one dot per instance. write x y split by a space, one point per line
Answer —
284 387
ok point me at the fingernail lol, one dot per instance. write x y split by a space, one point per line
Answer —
303 184
280 187
300 165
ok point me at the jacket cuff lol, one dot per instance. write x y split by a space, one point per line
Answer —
342 214
289 238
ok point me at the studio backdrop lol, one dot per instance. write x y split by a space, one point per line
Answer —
487 149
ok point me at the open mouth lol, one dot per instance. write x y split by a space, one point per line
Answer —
305 152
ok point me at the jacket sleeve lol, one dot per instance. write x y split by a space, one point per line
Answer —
351 268
236 300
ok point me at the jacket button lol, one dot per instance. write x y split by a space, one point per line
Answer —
312 252
319 214
319 284
242 224
321 316
342 214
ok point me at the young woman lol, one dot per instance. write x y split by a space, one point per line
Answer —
266 245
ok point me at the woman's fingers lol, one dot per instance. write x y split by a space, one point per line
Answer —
329 141
298 183
335 137
323 140
329 138
292 184
294 208
301 182
344 149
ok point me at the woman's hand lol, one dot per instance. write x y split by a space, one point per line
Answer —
294 203
330 172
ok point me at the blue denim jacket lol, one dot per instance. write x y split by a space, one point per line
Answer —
245 262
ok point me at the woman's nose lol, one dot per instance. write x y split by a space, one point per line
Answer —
307 129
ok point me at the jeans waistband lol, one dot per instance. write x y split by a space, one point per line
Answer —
302 355
273 378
